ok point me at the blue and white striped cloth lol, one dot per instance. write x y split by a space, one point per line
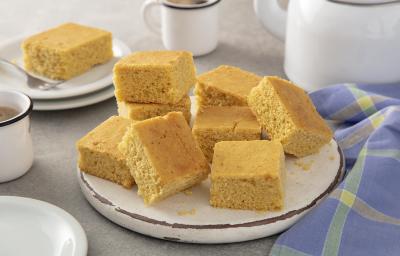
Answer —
362 215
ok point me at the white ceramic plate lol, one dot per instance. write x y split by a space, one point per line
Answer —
97 78
74 102
190 218
36 228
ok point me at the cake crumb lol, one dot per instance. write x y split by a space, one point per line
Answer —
305 166
187 212
187 192
332 158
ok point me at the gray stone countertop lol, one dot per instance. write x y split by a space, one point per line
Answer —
243 43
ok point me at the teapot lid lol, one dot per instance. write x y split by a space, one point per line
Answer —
364 2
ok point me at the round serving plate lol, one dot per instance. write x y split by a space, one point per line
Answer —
33 227
188 217
97 78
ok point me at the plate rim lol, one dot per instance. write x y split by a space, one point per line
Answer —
338 178
81 247
108 79
108 94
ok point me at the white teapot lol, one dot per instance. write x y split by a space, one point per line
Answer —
328 42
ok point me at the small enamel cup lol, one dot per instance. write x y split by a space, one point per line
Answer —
185 25
16 152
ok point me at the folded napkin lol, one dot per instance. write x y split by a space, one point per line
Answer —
362 215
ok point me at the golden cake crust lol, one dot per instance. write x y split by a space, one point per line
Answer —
99 154
66 36
67 50
162 77
295 98
214 124
143 111
225 86
163 156
289 116
248 175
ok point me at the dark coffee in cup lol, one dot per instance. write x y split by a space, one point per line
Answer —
7 113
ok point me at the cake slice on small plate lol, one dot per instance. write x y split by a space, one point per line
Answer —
66 51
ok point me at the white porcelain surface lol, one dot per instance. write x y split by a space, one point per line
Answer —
97 78
36 228
171 219
194 30
16 152
328 43
74 102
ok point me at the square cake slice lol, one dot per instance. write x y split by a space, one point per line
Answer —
289 116
66 51
143 111
248 175
163 156
162 77
99 154
214 124
225 86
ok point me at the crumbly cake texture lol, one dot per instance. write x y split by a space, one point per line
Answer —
99 154
162 77
214 124
225 86
289 116
66 51
163 156
142 111
248 175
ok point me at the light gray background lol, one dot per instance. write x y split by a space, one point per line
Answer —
243 42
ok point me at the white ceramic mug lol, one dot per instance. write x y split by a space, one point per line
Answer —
16 152
328 42
191 27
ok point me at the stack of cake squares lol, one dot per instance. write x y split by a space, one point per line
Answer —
223 113
153 83
152 145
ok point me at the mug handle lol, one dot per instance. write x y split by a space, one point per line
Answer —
145 11
272 16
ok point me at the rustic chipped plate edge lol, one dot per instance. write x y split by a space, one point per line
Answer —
203 234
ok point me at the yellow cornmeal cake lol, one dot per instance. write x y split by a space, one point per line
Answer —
225 86
248 175
162 77
142 111
289 116
99 154
163 156
66 51
214 124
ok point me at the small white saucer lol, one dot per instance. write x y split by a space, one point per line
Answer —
36 228
74 102
97 78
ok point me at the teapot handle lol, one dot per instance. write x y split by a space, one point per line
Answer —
272 16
